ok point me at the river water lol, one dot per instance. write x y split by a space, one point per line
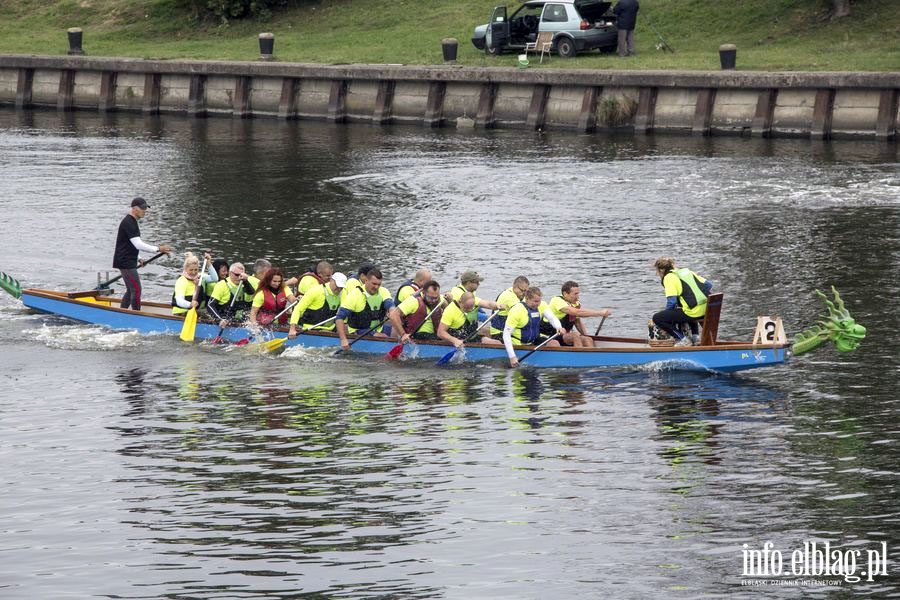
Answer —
137 467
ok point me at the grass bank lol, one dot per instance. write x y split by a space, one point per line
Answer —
770 34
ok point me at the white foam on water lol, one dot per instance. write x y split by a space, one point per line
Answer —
302 353
353 177
410 352
662 366
84 337
459 357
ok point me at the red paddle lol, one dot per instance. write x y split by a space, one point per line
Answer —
398 349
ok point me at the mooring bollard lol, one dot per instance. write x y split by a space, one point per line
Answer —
449 47
728 55
75 36
266 46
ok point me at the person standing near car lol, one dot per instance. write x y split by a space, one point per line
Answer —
626 18
128 245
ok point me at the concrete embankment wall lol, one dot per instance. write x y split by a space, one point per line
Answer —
781 104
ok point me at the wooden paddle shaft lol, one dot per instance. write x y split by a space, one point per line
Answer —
106 284
539 346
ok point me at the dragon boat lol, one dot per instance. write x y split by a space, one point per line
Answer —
98 307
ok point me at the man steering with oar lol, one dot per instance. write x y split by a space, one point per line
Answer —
127 254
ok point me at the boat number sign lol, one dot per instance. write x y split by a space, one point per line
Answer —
769 330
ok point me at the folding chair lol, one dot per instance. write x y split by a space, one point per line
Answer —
542 44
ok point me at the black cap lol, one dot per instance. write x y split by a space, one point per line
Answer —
218 263
140 203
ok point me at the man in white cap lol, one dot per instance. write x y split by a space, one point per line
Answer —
319 303
126 257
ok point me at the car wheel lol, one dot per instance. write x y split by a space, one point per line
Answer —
491 50
565 47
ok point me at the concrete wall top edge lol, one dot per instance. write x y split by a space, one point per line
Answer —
581 77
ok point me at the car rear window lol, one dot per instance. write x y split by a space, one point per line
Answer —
555 13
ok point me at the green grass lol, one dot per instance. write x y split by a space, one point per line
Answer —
770 34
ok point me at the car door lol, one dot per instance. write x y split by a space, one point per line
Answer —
497 35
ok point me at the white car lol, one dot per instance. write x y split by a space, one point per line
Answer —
577 25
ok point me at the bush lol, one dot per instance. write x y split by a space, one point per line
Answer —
225 10
616 111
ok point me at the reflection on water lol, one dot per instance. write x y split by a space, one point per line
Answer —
144 467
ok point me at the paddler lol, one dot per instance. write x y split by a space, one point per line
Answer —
686 296
320 275
412 286
220 305
126 257
220 266
363 308
358 280
523 324
460 322
508 297
567 308
271 298
318 304
260 266
409 319
183 296
469 282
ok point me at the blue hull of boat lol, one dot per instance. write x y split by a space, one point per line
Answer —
728 357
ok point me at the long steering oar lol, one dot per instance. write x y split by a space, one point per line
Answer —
539 346
106 284
190 319
599 327
360 336
446 358
398 349
218 338
277 343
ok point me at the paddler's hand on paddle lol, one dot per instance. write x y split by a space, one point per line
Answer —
194 304
223 323
404 338
207 256
345 346
513 362
292 333
458 343
165 248
605 312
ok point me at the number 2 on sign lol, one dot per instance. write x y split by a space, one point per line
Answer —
769 330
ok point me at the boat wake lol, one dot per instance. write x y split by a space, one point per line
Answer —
313 355
662 366
81 337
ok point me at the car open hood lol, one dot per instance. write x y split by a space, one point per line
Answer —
592 9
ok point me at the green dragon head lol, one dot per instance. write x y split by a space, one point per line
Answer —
838 326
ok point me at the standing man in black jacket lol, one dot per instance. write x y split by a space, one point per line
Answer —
626 18
128 245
